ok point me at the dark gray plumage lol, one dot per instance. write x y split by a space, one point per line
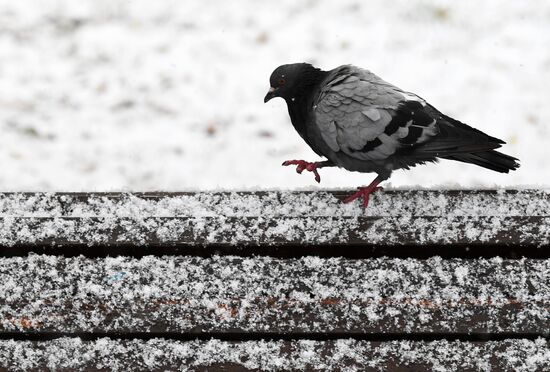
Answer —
362 123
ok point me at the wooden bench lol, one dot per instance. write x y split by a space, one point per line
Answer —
445 280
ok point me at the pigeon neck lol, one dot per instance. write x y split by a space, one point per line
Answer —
300 103
309 81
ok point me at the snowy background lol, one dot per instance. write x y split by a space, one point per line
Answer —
168 95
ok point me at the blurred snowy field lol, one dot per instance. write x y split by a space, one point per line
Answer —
168 95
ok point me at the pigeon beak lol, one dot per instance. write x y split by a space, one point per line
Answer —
270 94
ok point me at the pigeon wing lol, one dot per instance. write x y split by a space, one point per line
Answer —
369 119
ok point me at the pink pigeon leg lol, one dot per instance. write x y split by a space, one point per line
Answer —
365 192
311 167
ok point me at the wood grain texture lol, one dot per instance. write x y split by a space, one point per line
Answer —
236 295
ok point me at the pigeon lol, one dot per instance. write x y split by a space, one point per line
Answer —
361 123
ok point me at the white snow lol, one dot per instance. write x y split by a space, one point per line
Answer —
147 95
279 204
344 354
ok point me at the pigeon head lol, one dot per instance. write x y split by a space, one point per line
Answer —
293 80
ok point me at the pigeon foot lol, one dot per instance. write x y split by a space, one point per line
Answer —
365 192
305 165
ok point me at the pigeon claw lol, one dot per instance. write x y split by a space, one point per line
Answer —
302 165
365 192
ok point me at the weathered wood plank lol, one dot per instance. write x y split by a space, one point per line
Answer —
189 231
214 355
265 295
395 218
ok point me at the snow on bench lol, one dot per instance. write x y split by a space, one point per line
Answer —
379 288
242 295
276 218
213 355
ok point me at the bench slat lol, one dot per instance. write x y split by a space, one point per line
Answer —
283 231
214 355
397 218
270 296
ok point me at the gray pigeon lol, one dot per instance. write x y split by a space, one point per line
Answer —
362 123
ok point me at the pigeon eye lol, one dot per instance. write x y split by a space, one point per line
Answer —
282 81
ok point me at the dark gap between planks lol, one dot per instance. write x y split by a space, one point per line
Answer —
350 251
257 336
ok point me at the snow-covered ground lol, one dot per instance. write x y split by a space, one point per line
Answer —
149 95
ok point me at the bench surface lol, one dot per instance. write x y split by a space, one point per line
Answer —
275 280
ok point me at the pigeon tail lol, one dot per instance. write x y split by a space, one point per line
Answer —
492 160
